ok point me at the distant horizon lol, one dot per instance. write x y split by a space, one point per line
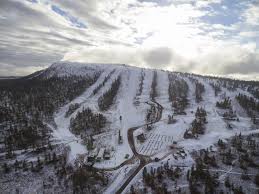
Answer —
235 77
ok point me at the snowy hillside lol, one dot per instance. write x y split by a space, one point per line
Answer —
125 122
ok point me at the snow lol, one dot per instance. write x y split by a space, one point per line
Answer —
159 139
215 129
131 116
138 132
145 96
135 115
163 96
63 69
132 107
62 131
120 176
187 162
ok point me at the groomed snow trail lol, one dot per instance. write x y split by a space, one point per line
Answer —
62 132
131 116
145 96
162 90
216 127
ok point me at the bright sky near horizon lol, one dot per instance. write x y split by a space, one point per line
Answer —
199 36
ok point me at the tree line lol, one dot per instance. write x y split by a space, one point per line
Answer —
107 99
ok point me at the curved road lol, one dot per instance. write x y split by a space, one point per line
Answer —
144 160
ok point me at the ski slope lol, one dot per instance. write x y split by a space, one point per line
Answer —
131 105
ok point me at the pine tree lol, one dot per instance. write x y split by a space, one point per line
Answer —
132 189
257 179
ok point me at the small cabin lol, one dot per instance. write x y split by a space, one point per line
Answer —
140 136
92 155
182 155
171 119
107 155
256 121
120 141
230 115
149 127
229 126
100 155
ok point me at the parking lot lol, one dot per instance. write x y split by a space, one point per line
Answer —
154 143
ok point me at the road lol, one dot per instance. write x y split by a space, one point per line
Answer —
144 160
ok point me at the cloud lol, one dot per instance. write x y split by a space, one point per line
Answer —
86 10
246 64
228 59
225 59
73 20
105 54
20 56
158 57
181 35
251 15
7 69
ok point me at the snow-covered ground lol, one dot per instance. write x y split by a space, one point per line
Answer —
132 107
62 132
119 176
132 115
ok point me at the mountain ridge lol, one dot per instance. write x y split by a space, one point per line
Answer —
63 65
96 121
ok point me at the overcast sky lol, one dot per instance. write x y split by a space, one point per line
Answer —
202 36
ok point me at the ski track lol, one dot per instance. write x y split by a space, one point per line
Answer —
145 96
131 116
163 134
162 90
62 131
216 127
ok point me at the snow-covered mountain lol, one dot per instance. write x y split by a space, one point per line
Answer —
127 121
61 69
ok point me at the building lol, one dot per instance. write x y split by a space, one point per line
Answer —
120 141
230 115
149 127
92 155
140 136
100 155
171 119
255 120
107 155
